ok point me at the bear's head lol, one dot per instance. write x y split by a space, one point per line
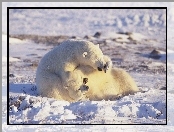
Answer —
92 55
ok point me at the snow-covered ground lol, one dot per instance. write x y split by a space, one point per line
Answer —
141 108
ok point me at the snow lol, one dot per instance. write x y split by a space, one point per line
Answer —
137 36
14 40
141 108
11 59
44 110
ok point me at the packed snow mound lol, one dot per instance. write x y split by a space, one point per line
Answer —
28 108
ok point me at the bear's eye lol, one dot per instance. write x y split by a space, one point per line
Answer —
85 54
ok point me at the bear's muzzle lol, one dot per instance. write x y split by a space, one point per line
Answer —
99 69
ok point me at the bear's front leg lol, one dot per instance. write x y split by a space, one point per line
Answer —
74 83
69 79
75 95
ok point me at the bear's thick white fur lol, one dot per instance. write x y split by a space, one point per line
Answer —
55 76
61 72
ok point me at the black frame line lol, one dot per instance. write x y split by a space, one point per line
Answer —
8 8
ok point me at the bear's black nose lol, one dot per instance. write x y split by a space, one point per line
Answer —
99 69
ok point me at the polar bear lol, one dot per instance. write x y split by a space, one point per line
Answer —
108 85
55 76
73 71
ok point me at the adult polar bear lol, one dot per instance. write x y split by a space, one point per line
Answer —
61 72
55 76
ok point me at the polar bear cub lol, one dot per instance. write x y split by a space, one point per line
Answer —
55 76
108 85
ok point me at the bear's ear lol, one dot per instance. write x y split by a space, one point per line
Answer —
85 54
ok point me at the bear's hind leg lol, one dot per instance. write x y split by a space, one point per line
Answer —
49 85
